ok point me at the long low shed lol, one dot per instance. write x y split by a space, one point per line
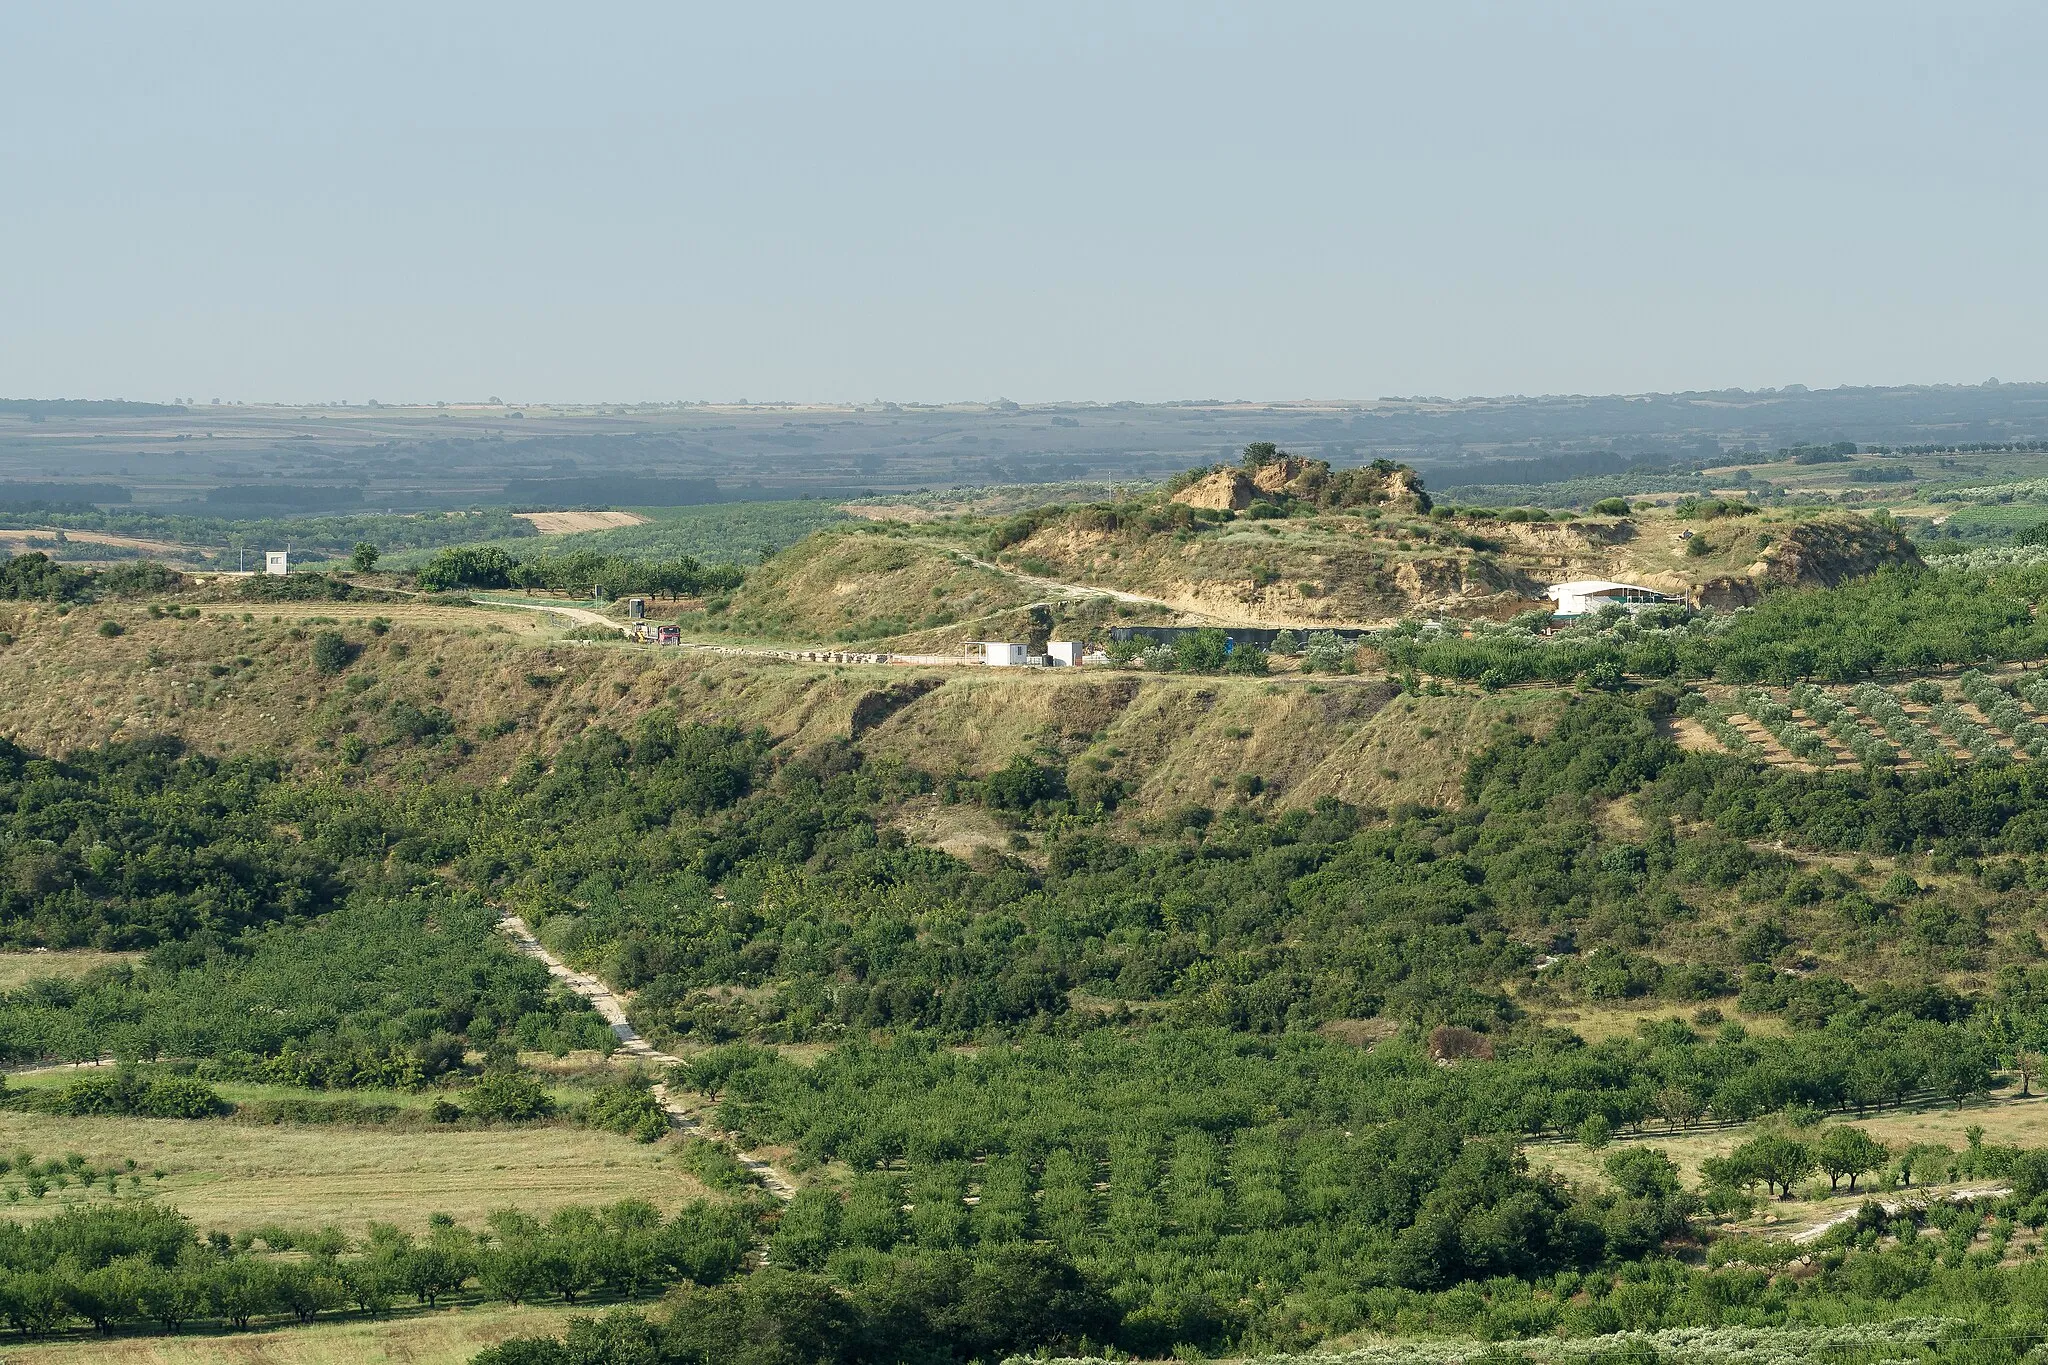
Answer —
1586 596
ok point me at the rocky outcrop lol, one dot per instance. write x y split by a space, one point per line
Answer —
1227 490
1725 593
1814 554
1275 477
1382 483
1822 554
1293 477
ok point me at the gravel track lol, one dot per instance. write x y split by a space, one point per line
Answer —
681 1115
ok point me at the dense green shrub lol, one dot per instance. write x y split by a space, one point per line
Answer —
628 1106
509 1095
34 576
466 566
1710 509
379 993
332 653
122 846
412 724
127 1091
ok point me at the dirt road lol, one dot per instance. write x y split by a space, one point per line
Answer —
681 1115
820 654
580 615
1894 1207
828 655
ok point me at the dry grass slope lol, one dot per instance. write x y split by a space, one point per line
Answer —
863 585
511 686
448 1336
1173 740
18 969
233 1175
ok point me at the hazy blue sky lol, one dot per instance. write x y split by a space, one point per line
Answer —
428 201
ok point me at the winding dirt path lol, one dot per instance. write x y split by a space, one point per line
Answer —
824 654
1894 1207
581 616
681 1116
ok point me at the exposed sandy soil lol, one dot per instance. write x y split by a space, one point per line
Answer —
900 511
562 523
959 830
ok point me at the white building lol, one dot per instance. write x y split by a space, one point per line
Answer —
998 653
277 561
1588 596
1063 653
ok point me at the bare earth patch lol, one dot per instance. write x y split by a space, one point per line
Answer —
562 523
895 511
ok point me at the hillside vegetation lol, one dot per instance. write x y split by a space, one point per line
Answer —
1478 983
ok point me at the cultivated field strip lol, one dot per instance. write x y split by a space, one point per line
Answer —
1964 730
2003 711
1786 727
1863 746
1713 718
1870 726
1884 709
